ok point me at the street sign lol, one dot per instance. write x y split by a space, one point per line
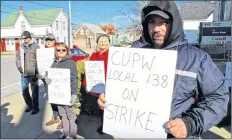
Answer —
215 32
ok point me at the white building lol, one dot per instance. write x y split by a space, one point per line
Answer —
227 11
38 22
192 14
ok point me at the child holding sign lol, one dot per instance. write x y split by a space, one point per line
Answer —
90 109
63 60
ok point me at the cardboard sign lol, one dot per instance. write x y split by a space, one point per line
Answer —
95 77
22 57
228 74
59 91
139 90
45 58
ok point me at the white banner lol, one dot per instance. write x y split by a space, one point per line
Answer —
139 90
22 57
45 58
95 76
59 91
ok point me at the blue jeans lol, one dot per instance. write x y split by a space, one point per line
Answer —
34 101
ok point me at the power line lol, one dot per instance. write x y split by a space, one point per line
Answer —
45 4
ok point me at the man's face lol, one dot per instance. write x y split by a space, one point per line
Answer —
158 27
50 43
26 40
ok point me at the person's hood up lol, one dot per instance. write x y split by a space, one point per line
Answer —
170 8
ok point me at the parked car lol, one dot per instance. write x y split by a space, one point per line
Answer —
78 54
116 45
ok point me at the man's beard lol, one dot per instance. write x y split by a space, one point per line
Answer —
155 45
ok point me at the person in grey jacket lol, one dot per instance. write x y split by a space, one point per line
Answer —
50 42
28 70
196 73
63 60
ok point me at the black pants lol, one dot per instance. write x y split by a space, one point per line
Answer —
34 101
90 127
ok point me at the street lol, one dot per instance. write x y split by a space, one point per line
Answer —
10 77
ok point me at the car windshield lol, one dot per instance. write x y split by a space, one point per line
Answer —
74 52
77 52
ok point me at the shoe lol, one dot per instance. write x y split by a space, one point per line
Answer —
53 121
60 126
62 136
35 111
28 109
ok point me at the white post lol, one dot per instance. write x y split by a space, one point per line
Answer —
70 25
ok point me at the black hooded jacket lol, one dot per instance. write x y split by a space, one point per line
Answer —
196 74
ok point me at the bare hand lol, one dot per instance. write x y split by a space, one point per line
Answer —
177 128
101 101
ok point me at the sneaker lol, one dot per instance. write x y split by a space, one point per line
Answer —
62 136
28 109
35 111
60 126
53 121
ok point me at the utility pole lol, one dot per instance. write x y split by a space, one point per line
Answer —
70 38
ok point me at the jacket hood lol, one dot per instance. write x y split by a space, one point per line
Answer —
64 59
170 8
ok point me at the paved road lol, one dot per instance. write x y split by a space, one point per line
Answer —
10 77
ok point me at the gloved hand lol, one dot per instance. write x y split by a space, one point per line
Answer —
48 81
20 69
73 99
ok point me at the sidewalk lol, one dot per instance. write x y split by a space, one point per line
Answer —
15 123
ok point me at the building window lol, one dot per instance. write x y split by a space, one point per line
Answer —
23 26
57 25
63 25
42 41
37 40
82 32
87 31
12 41
57 39
64 39
7 42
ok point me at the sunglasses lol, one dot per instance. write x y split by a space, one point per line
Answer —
63 50
25 38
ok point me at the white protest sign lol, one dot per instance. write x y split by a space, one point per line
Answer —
22 57
139 88
59 91
45 58
228 74
95 77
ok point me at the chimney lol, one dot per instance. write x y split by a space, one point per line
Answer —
20 8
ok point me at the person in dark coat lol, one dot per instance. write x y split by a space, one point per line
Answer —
63 60
196 73
28 70
90 121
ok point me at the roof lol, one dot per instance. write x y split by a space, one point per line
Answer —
34 17
196 10
92 27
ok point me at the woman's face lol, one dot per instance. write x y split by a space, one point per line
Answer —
103 43
61 52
